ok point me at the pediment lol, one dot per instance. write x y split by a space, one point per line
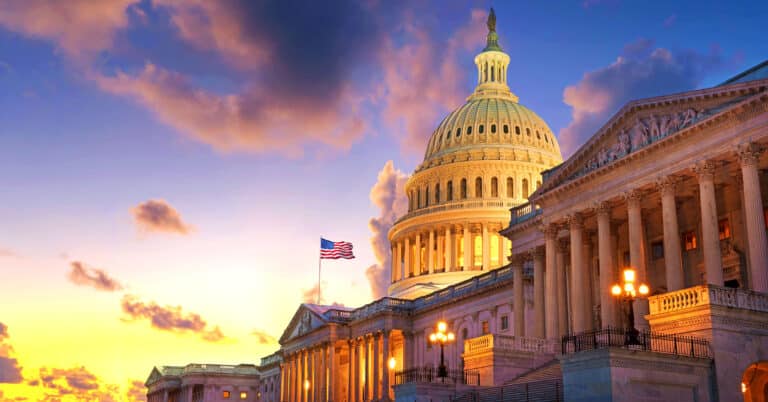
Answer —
154 376
642 123
306 319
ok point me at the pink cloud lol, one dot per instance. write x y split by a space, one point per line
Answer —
10 371
388 194
96 278
263 338
169 318
77 382
159 216
423 78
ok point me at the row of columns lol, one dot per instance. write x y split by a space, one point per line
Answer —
549 275
308 375
443 249
368 377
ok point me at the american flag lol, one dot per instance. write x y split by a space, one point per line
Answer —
335 249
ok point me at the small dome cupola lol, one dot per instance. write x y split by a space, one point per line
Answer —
492 65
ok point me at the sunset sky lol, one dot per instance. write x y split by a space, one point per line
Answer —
167 167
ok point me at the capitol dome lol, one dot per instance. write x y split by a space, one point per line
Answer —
484 158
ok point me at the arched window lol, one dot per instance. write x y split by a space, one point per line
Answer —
485 73
506 129
481 129
528 132
493 75
458 132
463 189
525 188
494 187
510 187
449 191
538 137
517 130
546 138
418 198
479 187
469 130
437 193
493 129
426 196
447 136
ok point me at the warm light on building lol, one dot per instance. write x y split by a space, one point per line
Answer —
306 385
392 363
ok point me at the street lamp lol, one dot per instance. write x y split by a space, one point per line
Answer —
627 292
441 336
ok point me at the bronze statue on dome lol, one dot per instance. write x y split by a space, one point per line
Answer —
491 21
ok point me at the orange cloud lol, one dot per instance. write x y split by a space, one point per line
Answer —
96 278
169 318
10 371
75 383
310 295
388 194
263 338
137 392
159 216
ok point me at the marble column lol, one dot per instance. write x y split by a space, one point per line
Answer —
467 248
448 249
393 264
385 357
588 302
351 371
519 296
710 234
673 259
636 251
486 248
605 256
550 314
579 284
501 239
367 368
407 269
417 256
749 156
303 371
376 369
356 374
562 286
332 392
399 262
431 252
440 258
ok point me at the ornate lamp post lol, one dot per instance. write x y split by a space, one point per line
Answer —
441 336
628 292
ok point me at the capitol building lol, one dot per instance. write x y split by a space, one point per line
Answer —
635 270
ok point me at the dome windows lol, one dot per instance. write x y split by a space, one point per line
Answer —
510 187
528 131
449 191
493 129
538 136
517 130
506 129
463 189
525 188
546 138
426 197
458 132
494 187
479 187
469 130
437 193
448 135
481 129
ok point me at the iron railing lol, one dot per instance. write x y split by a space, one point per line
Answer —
429 374
670 344
536 391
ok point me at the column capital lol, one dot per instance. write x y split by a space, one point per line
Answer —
603 208
749 153
704 170
575 221
518 260
632 197
536 252
666 184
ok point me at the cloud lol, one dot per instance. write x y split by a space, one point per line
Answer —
80 28
310 295
77 383
263 338
424 77
137 392
669 21
6 252
159 216
169 318
96 278
10 371
388 194
641 71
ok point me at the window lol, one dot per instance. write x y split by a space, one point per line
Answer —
486 328
458 132
724 228
426 197
463 194
546 138
494 187
689 240
469 130
493 129
528 132
478 187
418 198
225 394
506 129
504 323
510 187
448 136
517 130
449 190
481 129
657 250
525 188
243 395
437 193
464 333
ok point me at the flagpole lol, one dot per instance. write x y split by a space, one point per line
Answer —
319 264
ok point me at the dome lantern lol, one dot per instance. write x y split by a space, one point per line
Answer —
492 65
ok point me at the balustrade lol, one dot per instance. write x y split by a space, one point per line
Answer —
707 295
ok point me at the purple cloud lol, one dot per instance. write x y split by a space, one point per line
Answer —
96 278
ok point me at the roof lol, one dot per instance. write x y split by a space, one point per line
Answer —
757 72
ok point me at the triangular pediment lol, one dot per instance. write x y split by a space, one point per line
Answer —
642 123
154 376
307 318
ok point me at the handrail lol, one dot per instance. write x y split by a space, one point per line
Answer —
543 390
509 343
428 374
671 344
461 204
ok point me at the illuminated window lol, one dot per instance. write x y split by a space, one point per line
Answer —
460 249
478 254
225 394
243 395
510 187
724 228
494 187
486 328
494 246
493 129
689 240
504 323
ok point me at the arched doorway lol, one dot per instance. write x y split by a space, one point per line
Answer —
754 382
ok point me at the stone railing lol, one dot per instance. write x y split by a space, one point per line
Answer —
274 358
220 368
707 295
509 343
523 212
463 204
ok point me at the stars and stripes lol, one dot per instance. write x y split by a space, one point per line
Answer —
335 249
